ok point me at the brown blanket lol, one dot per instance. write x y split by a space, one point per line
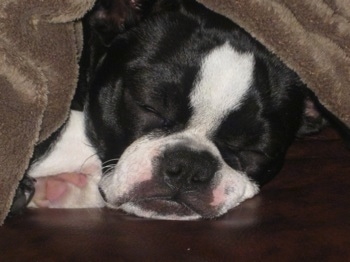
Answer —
40 44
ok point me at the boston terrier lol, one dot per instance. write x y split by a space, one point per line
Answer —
183 115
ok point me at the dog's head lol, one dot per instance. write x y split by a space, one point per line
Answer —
190 116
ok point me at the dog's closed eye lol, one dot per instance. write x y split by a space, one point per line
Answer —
148 108
166 123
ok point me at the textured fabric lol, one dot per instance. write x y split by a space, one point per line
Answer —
39 48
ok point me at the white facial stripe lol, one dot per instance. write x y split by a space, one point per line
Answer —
224 79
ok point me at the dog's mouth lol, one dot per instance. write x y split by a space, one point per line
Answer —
160 202
162 207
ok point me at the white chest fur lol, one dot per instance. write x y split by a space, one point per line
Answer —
72 153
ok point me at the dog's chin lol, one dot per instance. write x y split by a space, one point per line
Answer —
165 209
155 200
160 209
162 204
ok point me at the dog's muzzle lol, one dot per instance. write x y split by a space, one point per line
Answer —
175 177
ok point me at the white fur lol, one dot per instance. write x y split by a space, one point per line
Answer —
224 79
134 209
72 153
135 167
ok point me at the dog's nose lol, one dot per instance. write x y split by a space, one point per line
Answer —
185 168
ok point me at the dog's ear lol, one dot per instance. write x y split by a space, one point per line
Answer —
313 120
109 18
317 116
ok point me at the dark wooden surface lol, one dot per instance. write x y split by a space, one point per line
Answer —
302 215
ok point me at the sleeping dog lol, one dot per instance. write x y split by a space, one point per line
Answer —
185 116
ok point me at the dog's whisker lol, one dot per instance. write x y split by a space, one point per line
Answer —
110 160
108 170
108 166
86 160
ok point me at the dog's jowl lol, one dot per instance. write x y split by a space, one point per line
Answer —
185 117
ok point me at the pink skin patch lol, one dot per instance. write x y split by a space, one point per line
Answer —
219 196
53 189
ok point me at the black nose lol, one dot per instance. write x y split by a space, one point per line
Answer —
182 167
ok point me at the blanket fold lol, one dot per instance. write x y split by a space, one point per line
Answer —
40 44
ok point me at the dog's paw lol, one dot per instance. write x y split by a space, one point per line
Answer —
24 194
51 191
66 190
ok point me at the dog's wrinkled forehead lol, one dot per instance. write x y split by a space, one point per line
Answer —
201 98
